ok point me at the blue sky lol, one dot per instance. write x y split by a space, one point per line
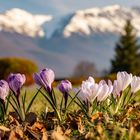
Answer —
60 7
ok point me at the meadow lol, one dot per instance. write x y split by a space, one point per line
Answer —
92 110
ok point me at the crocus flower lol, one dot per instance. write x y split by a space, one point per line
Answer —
86 89
123 81
105 91
15 82
45 78
65 86
135 84
91 90
116 89
4 89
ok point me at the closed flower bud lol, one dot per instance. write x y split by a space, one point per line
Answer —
123 81
135 84
15 82
45 78
65 86
4 89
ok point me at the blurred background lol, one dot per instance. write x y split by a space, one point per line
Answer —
74 38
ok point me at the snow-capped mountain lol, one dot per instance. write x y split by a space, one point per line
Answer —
23 22
108 19
84 22
61 43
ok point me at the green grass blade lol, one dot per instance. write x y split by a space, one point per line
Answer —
16 110
15 101
54 97
61 105
52 105
31 102
7 103
23 101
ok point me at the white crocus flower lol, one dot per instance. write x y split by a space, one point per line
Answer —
123 80
91 90
96 90
116 89
86 90
106 90
135 84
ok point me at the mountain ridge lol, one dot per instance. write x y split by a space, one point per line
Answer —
62 53
23 22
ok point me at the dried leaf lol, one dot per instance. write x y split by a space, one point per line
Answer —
59 130
12 135
16 134
35 134
19 131
45 136
39 126
58 136
13 121
98 115
67 132
81 127
4 128
99 129
89 135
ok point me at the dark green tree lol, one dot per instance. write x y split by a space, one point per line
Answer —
127 57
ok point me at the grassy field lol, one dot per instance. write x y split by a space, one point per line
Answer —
40 103
100 126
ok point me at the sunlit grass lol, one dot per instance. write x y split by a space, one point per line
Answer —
40 103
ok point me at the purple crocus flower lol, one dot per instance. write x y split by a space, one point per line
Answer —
45 78
65 86
4 89
15 82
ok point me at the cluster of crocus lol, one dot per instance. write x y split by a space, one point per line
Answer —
125 80
91 90
122 90
15 82
45 78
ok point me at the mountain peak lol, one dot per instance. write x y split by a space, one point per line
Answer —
107 19
23 22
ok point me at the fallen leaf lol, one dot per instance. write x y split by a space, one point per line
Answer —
4 128
16 134
39 126
81 127
98 115
45 136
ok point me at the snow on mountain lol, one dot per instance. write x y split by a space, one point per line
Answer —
108 19
22 22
